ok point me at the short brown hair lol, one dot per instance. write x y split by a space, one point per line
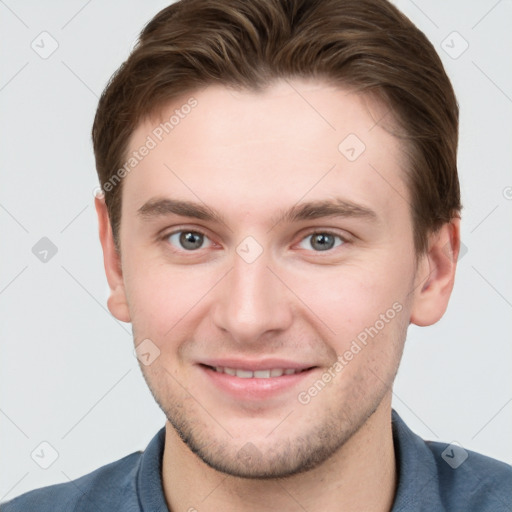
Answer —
368 45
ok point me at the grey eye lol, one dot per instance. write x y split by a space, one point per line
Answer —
322 241
189 240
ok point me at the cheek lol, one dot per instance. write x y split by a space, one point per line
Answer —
163 298
355 298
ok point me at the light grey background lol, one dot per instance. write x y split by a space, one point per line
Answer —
68 375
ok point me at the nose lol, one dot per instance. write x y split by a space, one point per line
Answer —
252 302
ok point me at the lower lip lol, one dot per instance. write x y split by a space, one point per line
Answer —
254 388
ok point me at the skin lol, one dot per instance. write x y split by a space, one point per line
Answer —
249 156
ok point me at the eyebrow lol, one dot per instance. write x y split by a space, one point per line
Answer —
324 208
161 207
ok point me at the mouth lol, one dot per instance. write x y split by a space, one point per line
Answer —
256 382
257 374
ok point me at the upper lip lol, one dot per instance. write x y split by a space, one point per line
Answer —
255 365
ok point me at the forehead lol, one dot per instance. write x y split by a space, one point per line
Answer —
256 152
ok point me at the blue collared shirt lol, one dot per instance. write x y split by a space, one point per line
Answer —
432 476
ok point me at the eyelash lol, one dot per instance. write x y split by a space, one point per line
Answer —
343 239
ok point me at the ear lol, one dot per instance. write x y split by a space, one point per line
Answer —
117 302
435 275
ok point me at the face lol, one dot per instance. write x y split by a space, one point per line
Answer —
268 270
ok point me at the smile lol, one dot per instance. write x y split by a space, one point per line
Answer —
257 374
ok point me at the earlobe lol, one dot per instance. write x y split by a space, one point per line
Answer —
117 302
435 275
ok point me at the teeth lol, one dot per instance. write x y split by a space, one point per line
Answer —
262 374
244 374
258 374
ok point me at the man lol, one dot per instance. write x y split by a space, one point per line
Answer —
280 201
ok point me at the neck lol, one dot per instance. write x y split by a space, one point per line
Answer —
360 476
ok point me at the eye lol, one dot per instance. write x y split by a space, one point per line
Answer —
322 241
188 240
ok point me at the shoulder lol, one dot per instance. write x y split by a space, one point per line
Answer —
446 477
109 486
471 481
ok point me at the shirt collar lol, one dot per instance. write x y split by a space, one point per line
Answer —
417 471
150 489
417 476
